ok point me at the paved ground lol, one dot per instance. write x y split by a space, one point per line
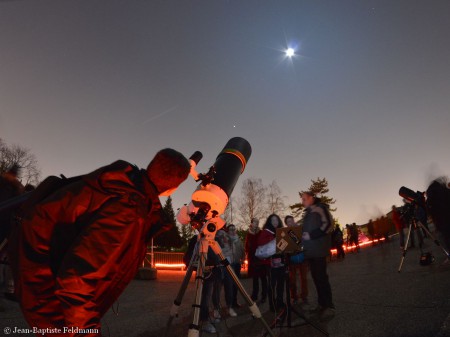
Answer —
371 297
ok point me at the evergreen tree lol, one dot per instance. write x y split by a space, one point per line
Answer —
171 238
186 233
319 188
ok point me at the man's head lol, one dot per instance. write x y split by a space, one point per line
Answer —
255 223
167 170
289 220
308 199
231 229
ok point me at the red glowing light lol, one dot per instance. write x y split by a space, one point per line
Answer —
170 265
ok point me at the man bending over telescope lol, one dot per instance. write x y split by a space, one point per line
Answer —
77 250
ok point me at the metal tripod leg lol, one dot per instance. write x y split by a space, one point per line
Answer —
252 305
177 302
286 313
194 328
405 248
434 239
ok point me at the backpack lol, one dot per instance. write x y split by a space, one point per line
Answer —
47 187
329 217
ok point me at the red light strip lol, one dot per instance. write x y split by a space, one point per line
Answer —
170 265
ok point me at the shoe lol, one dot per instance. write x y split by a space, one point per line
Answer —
208 327
327 314
231 312
216 316
237 305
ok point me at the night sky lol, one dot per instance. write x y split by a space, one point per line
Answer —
365 102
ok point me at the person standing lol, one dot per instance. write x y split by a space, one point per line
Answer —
238 256
371 231
399 224
88 239
256 269
297 268
224 242
10 187
317 229
338 240
354 236
274 264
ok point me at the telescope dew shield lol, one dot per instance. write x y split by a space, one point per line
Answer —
229 165
411 196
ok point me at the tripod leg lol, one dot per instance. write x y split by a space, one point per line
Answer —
177 302
194 328
434 239
405 248
252 305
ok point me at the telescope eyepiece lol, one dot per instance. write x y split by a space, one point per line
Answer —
196 157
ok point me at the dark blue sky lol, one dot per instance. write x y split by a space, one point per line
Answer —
365 102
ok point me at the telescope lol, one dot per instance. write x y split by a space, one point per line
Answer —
411 196
211 197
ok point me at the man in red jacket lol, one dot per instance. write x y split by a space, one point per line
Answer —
78 249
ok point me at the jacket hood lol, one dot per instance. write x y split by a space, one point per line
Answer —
122 178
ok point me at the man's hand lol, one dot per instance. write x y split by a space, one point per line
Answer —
306 236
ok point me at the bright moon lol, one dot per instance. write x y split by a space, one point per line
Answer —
290 52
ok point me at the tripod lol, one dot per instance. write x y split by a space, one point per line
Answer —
204 241
413 224
286 312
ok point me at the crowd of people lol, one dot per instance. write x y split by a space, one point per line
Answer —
120 203
269 275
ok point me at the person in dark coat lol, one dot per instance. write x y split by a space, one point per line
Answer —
10 187
78 249
317 229
399 225
338 241
438 201
256 269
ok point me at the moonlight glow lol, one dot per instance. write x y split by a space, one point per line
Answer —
290 52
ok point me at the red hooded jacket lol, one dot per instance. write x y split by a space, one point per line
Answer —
79 248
